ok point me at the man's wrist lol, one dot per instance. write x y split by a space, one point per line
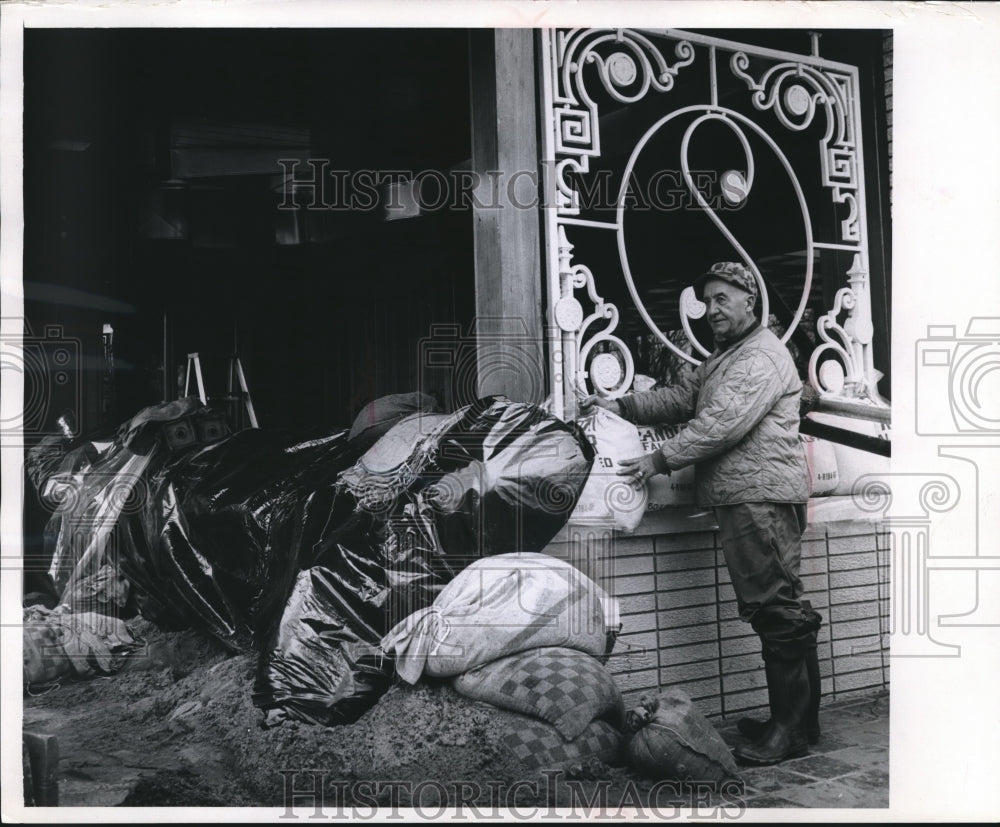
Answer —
660 463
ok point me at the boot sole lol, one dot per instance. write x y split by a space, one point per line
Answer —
750 761
754 731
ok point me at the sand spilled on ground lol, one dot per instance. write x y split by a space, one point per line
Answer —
177 727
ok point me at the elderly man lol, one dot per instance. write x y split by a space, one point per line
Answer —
741 409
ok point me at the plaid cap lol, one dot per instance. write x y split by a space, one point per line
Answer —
729 271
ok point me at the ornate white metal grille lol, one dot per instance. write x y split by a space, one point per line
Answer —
622 67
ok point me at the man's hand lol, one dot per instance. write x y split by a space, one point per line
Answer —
639 469
588 402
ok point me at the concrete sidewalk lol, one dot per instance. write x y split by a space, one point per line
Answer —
849 767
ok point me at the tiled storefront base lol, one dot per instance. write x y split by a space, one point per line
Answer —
679 621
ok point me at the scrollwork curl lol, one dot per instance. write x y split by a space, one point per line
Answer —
557 496
937 495
653 71
871 493
622 497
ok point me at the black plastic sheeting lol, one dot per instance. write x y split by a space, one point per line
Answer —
499 477
214 546
95 495
257 541
324 665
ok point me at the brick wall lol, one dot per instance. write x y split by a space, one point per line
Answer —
680 626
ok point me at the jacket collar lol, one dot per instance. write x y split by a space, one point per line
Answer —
742 337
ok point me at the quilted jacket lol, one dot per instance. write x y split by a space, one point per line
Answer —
741 406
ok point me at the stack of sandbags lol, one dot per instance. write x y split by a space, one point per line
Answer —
522 632
382 538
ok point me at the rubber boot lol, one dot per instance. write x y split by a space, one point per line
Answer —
783 738
753 728
811 723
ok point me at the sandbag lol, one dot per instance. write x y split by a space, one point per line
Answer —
376 418
106 587
500 606
853 463
494 477
393 464
670 739
538 745
511 474
666 490
821 458
60 643
563 687
607 497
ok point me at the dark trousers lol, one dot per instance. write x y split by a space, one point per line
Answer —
763 550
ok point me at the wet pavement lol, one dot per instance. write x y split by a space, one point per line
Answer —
849 767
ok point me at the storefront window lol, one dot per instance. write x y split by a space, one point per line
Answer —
668 151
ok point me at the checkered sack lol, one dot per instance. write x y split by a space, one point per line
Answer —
537 745
566 688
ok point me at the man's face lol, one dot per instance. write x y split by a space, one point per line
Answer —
729 309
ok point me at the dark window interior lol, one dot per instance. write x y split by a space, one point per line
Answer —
152 189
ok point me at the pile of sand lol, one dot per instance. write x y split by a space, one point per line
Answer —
177 727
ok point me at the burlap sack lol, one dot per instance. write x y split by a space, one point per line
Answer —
498 606
672 740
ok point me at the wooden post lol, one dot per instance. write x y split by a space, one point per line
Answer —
43 754
509 312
